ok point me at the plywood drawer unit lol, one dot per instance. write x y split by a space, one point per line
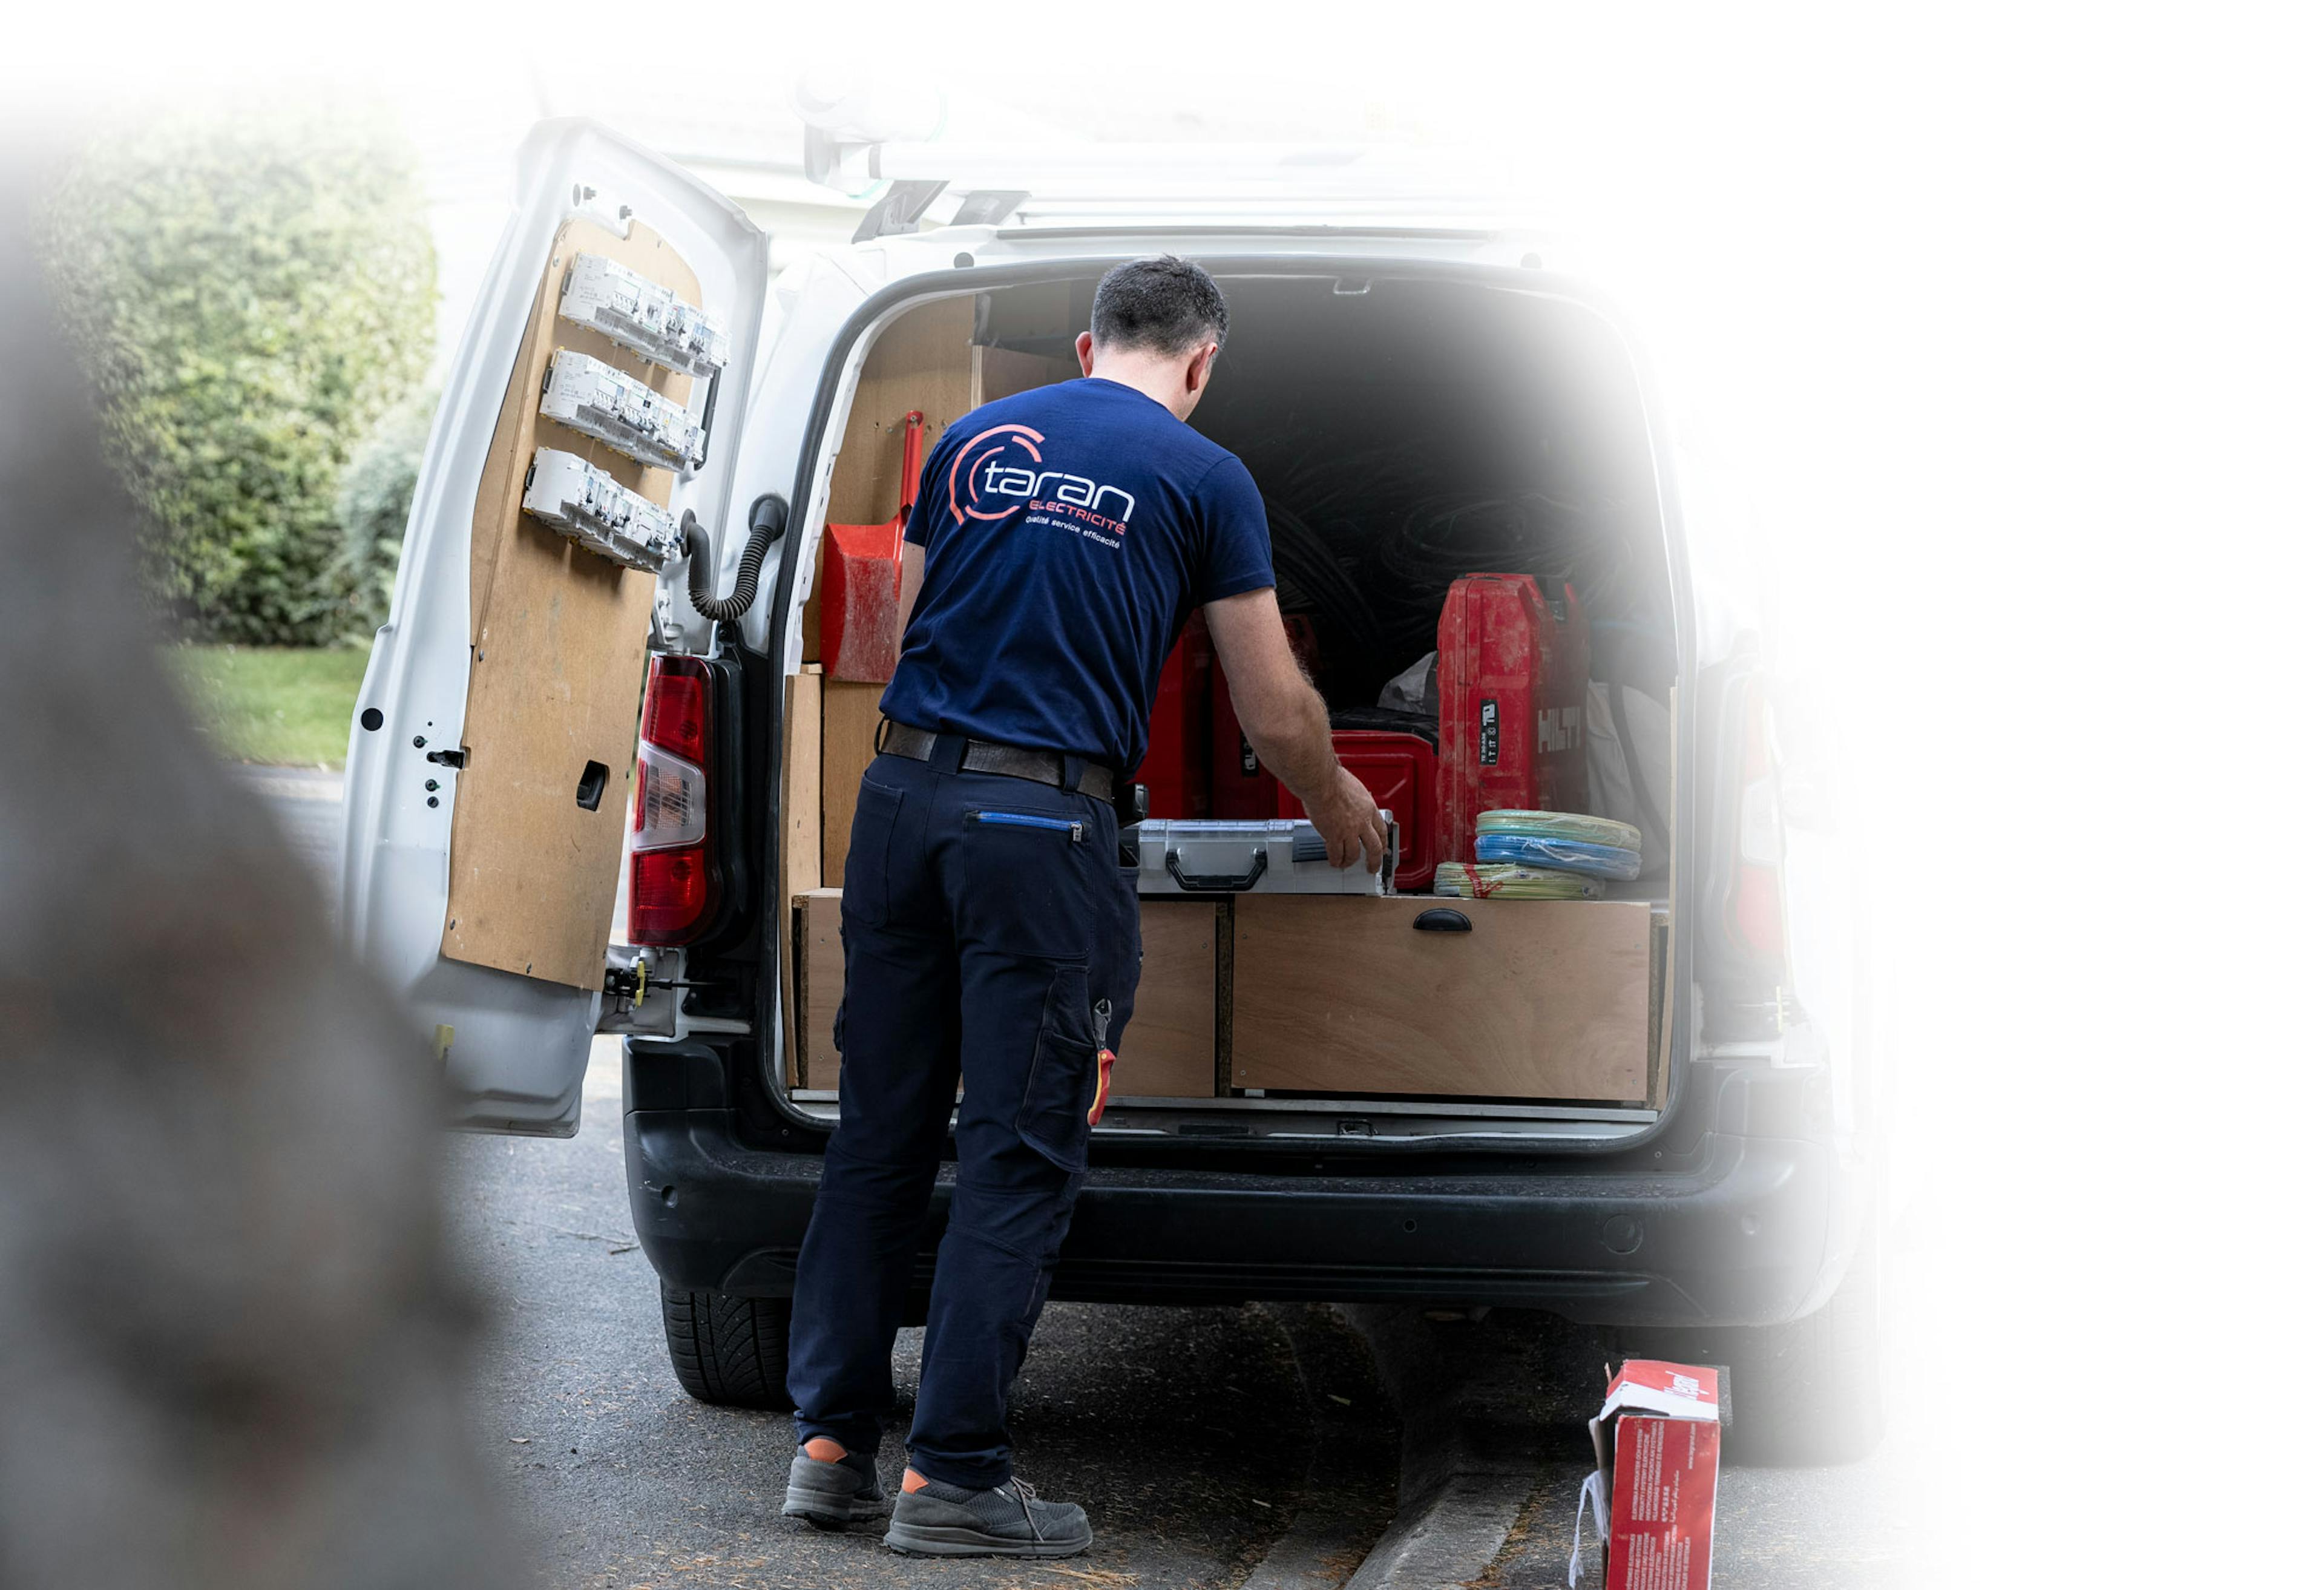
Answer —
1538 1000
1170 1051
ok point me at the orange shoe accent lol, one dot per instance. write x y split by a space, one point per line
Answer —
824 1449
914 1479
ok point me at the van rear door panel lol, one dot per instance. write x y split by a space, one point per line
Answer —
493 754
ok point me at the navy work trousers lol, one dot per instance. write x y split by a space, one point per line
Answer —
991 945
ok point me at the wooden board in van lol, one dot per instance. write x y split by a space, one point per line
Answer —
1538 1001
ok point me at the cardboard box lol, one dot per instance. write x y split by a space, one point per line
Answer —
1656 1490
802 813
820 976
851 721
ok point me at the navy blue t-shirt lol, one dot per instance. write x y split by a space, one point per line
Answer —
1069 531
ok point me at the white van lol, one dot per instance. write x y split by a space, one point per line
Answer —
1651 1111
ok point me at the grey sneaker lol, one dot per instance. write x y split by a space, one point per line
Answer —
833 1495
948 1520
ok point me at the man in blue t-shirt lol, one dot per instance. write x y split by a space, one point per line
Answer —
1059 539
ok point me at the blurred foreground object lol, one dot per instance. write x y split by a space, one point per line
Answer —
230 1348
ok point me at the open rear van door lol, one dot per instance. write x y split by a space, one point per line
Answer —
598 395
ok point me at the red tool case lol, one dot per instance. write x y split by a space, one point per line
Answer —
1240 785
1513 681
1401 771
1177 771
863 582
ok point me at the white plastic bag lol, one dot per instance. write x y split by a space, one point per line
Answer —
1613 790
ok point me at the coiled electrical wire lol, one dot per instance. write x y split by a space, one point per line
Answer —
1314 580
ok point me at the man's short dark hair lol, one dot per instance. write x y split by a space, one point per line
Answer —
1165 305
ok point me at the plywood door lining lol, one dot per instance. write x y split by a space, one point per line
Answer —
558 638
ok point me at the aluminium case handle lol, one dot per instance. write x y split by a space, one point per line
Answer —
1216 883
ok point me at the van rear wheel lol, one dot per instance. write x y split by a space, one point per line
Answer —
729 1352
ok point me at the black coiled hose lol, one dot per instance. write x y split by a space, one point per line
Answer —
767 516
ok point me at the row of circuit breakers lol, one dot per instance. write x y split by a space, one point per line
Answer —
566 491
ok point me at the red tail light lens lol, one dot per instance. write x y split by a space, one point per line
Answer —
669 894
677 709
672 893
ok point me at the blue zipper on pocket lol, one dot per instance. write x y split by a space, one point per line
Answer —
1026 820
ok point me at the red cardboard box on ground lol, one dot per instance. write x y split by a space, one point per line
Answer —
1656 1487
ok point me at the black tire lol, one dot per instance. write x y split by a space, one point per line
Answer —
729 1352
1806 1392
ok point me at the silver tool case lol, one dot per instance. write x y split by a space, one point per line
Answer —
1250 856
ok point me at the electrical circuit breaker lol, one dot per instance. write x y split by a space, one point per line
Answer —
642 316
597 399
588 505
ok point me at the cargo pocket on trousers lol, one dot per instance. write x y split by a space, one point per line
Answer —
1125 959
1060 1087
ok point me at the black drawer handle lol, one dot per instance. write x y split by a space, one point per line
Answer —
1438 920
1216 883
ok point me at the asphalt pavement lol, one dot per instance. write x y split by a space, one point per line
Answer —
1226 1447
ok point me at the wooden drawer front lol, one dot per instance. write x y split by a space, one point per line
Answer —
1170 1051
1540 1000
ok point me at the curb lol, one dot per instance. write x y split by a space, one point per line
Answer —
1450 1537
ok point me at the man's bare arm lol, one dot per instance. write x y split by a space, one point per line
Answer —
1286 722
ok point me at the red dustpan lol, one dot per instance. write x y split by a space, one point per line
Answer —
863 580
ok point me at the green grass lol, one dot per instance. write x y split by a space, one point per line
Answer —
285 705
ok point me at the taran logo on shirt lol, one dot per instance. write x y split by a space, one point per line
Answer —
992 466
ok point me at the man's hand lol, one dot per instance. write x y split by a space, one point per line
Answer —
1349 821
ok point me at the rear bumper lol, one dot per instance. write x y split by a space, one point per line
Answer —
1747 1234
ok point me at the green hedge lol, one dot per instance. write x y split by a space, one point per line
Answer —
375 500
251 294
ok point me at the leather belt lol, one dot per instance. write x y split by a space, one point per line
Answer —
983 756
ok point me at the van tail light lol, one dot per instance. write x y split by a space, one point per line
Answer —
672 892
1755 909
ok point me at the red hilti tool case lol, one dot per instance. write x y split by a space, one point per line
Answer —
1513 681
